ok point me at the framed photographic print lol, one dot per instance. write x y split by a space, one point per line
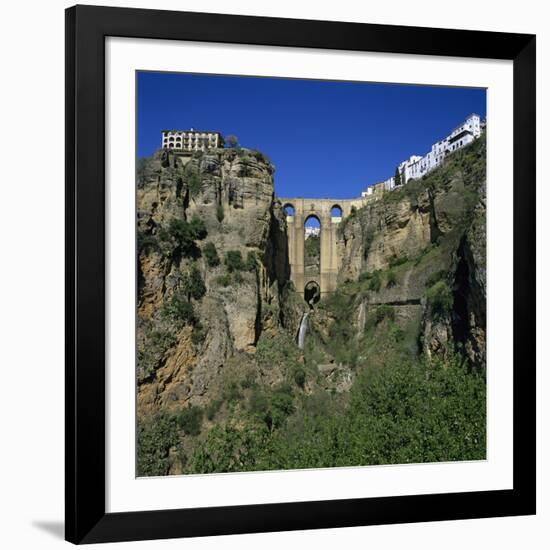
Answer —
300 274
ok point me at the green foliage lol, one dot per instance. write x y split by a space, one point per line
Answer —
436 276
232 392
250 263
220 214
178 309
407 412
181 235
146 242
376 316
190 420
398 260
312 250
155 437
213 408
192 283
365 276
234 261
211 254
223 280
194 184
272 407
278 350
374 282
141 171
198 335
397 177
440 298
152 348
299 376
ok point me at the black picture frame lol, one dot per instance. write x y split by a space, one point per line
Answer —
86 30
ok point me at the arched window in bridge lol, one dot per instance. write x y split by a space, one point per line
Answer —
289 210
312 247
336 213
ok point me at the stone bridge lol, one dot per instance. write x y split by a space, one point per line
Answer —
299 210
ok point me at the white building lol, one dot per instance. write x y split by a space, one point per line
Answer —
191 140
310 231
415 167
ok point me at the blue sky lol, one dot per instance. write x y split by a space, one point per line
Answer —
326 138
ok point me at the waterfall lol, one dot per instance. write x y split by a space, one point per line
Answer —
302 331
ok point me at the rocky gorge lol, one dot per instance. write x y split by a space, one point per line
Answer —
221 382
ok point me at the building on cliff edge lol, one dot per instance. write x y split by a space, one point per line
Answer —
415 166
191 140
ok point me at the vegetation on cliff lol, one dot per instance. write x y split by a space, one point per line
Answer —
393 365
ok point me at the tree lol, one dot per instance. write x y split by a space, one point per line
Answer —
220 214
232 141
192 283
211 254
397 177
234 261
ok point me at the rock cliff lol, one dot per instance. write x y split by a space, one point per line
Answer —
212 267
421 250
217 316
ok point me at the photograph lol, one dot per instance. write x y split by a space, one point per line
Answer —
311 273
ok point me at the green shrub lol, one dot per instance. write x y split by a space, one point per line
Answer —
250 264
435 277
213 408
384 312
375 282
155 437
220 214
211 254
223 280
277 350
146 242
192 283
376 316
194 184
440 298
299 376
198 335
398 260
178 309
190 420
151 350
272 406
231 392
365 276
391 278
182 234
234 261
198 228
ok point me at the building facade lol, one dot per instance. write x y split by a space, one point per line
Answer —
415 166
191 140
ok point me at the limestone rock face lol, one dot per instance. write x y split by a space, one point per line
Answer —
231 192
430 230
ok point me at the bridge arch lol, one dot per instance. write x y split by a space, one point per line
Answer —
312 292
336 211
288 209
